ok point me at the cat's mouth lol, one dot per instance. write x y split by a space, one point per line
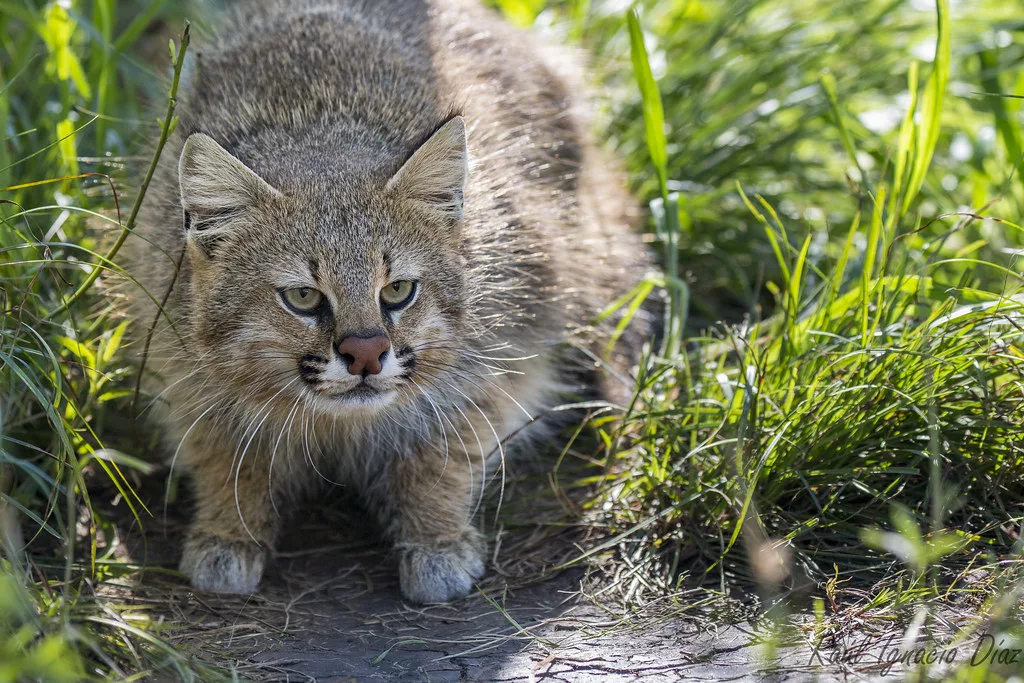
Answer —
358 392
336 388
362 395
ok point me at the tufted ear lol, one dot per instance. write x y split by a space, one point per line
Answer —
215 185
435 175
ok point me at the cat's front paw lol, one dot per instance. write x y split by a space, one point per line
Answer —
441 571
220 565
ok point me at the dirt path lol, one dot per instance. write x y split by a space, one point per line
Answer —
329 610
334 614
344 621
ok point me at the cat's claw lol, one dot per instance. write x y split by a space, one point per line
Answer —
219 565
440 572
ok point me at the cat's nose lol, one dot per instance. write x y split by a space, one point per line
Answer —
364 355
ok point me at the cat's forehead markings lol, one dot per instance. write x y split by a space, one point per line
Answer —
298 274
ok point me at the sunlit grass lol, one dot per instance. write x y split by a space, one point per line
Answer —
69 97
860 424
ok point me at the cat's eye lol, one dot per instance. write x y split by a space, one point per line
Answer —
302 299
398 294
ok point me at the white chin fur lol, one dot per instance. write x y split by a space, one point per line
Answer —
343 403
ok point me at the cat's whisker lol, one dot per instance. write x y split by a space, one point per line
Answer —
483 461
497 439
305 437
311 462
285 427
462 375
306 450
241 459
177 451
444 433
480 450
444 416
197 366
156 398
497 372
468 351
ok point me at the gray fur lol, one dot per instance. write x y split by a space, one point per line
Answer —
325 142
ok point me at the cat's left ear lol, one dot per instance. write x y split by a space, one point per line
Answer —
435 175
215 186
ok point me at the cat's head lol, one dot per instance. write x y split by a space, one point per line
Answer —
342 287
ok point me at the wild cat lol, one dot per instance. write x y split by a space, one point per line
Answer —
385 234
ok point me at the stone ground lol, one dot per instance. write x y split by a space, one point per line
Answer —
540 633
329 610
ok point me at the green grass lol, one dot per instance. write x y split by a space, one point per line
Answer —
70 101
846 402
835 403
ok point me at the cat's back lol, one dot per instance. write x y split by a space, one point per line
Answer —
382 74
392 66
308 63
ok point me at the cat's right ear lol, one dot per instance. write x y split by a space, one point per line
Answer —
215 186
435 175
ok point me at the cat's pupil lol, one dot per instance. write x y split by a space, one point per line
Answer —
303 292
